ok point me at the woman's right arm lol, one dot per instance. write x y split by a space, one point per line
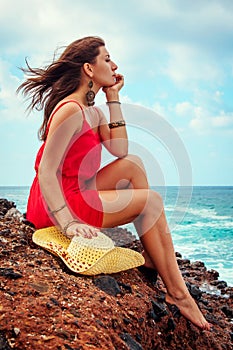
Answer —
67 121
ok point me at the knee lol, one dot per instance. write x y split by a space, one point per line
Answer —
155 203
134 161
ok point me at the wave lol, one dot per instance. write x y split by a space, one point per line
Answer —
203 213
201 224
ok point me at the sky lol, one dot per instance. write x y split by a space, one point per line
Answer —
177 60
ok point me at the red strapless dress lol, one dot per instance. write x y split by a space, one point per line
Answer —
80 164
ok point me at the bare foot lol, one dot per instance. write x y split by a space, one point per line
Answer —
189 309
186 304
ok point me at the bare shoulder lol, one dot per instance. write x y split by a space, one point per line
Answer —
64 111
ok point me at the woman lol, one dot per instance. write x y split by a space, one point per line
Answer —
70 190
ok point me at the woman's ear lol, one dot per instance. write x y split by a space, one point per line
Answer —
88 70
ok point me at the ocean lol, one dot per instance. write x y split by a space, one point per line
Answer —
200 219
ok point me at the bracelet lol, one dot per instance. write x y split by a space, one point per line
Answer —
57 210
109 102
65 228
116 124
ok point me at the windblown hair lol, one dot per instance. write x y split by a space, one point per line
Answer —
47 86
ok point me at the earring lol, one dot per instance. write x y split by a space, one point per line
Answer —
90 95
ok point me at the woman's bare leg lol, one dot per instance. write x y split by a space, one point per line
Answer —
158 244
128 172
145 208
142 206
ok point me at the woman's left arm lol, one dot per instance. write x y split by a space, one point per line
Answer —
114 136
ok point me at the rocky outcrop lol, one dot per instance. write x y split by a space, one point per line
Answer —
5 206
44 306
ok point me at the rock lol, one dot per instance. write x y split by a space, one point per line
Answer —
171 325
132 344
40 287
126 287
16 331
149 274
4 345
219 284
185 261
185 273
197 264
174 310
14 213
214 273
5 232
55 308
194 291
222 285
126 320
178 255
227 311
152 315
159 309
10 273
5 205
108 284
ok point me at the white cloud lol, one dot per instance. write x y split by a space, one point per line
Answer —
172 30
39 29
204 123
184 109
199 125
199 118
218 96
8 81
224 120
192 38
187 66
160 109
179 47
205 24
11 106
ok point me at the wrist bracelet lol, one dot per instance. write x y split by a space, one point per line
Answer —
57 210
116 124
110 102
65 228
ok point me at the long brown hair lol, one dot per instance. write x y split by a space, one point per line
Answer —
47 86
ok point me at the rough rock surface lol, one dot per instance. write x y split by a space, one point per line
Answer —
44 306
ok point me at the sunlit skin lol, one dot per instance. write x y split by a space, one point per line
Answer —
122 185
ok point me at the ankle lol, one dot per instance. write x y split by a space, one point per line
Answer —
177 294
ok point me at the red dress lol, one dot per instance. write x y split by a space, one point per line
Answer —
80 164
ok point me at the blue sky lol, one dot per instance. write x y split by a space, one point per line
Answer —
177 59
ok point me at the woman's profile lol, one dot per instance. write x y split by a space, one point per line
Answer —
70 189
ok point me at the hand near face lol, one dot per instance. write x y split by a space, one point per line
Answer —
115 88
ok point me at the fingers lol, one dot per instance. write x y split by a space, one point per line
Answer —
119 83
87 231
84 230
119 79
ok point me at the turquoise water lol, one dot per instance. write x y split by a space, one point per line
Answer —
200 218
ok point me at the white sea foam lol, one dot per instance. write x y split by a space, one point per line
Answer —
203 213
201 224
211 256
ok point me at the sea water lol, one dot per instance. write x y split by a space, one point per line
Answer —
200 219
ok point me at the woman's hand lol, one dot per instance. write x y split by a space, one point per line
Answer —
112 91
77 229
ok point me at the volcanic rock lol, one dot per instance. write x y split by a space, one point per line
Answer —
44 305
